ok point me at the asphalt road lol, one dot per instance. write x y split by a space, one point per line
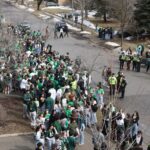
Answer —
138 88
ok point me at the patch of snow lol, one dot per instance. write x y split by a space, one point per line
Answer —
73 28
56 7
30 10
87 23
22 7
91 13
44 17
85 32
113 44
56 20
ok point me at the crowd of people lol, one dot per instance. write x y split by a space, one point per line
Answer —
105 33
136 59
60 101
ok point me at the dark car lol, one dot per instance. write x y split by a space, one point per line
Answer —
51 4
60 25
24 26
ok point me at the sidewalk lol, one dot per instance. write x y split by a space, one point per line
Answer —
26 142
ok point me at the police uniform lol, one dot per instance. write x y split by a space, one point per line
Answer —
122 59
112 82
128 60
134 62
138 65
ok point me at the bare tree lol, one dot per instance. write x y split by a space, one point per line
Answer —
39 2
122 10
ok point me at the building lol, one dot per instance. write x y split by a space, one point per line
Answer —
64 2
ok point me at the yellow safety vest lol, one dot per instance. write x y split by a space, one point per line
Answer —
112 80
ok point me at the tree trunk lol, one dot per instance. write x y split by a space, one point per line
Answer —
82 14
105 17
86 12
39 2
22 2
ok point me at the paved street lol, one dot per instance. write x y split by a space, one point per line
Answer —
138 89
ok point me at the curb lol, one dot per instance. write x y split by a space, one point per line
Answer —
15 134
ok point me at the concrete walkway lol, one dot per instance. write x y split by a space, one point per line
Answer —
26 142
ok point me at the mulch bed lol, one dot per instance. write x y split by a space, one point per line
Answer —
12 122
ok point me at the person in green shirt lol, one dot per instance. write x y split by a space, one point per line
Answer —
72 141
57 125
100 96
33 112
49 103
68 111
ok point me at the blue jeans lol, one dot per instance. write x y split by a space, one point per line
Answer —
81 137
50 142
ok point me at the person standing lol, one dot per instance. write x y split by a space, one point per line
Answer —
122 58
128 60
123 84
66 31
98 138
112 84
61 33
148 64
55 33
134 62
138 66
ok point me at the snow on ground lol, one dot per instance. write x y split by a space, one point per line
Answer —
56 7
73 28
85 32
44 17
91 14
87 23
112 44
21 6
56 19
30 10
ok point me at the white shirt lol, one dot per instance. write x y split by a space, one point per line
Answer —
59 93
53 93
61 30
23 84
120 122
64 102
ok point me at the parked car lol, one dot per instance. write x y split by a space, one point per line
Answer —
51 4
24 26
60 25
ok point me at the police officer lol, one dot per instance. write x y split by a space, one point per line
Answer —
138 63
128 61
112 84
134 62
122 60
122 87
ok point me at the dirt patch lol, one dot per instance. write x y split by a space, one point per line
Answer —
13 123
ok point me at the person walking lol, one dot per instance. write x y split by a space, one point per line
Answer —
61 33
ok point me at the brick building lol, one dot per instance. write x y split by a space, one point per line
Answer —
64 2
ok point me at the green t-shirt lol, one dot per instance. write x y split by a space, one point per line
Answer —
71 143
57 125
68 113
100 91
